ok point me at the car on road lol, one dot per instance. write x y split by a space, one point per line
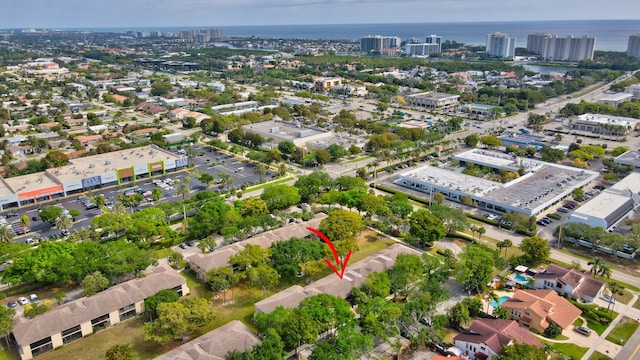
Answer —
183 246
22 230
12 304
11 215
23 301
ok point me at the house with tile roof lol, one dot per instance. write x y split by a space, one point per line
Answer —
84 316
216 344
485 338
570 283
537 309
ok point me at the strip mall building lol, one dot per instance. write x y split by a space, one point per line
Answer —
88 173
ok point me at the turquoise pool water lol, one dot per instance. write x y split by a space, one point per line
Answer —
522 279
500 301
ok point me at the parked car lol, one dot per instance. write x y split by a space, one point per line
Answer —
582 330
33 297
183 246
426 321
23 301
11 214
608 299
12 304
189 243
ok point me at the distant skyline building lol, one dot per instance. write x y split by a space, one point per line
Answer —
554 48
434 39
431 45
633 48
384 45
501 45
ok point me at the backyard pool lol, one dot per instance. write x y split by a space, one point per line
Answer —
500 301
522 279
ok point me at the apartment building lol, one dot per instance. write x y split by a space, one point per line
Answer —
501 45
555 48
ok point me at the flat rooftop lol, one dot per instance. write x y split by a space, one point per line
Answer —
99 164
542 182
30 182
284 129
607 119
434 95
631 157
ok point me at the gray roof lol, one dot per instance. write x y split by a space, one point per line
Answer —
216 344
220 257
27 331
354 276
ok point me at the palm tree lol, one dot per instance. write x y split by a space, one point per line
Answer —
24 220
191 153
481 230
126 201
605 270
492 297
260 170
227 180
183 190
99 200
6 234
187 180
156 193
506 244
64 223
615 288
500 246
282 169
595 265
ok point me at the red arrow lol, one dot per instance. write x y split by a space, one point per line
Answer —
335 254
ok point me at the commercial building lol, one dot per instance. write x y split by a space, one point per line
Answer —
633 90
354 276
326 83
434 39
603 124
630 158
537 309
433 100
615 99
77 319
612 205
554 48
201 264
383 45
485 338
540 185
633 48
87 173
216 344
501 45
295 132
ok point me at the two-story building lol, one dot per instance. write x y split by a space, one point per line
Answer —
570 283
79 318
485 338
537 309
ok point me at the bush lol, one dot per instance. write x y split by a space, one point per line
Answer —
552 331
554 216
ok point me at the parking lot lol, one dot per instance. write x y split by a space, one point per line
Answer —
212 162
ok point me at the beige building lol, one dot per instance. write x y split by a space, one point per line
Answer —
216 344
537 309
201 264
433 100
326 83
354 276
79 318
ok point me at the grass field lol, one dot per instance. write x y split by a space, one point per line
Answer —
574 351
623 331
598 356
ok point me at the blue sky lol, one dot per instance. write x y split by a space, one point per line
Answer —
161 13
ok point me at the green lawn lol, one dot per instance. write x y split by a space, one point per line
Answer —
625 298
598 356
262 186
578 322
571 350
130 332
596 326
623 331
637 304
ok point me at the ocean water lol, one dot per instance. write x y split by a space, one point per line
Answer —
611 35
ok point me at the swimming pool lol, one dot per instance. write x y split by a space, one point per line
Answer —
522 279
500 301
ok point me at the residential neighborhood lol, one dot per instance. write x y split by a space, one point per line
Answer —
166 197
